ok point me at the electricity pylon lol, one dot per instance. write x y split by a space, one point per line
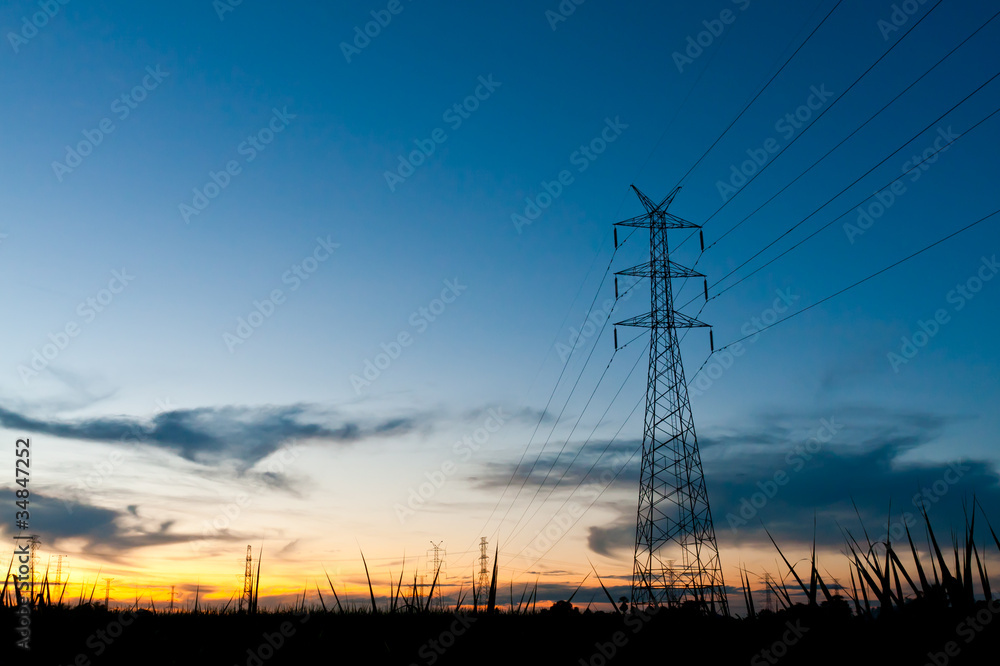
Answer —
484 571
676 556
247 596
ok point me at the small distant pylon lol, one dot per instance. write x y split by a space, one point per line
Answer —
247 597
171 598
484 567
34 543
107 592
769 593
437 567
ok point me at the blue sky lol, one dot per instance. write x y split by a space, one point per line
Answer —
355 258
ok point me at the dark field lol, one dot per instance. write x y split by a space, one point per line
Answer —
827 633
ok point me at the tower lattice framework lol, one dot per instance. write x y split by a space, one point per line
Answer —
676 555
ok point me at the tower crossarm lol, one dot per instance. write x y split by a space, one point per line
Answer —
647 321
660 269
658 219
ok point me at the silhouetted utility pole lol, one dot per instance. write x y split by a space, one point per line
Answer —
107 592
673 521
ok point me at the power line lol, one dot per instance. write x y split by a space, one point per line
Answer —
821 114
848 210
759 93
859 282
656 145
844 140
581 448
611 441
834 295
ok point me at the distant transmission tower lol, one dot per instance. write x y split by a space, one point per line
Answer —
34 542
107 592
438 567
676 556
59 580
247 597
484 571
769 593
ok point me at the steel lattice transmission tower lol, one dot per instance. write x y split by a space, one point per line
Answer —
484 561
247 596
676 556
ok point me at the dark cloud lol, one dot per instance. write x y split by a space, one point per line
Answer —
621 458
615 539
210 434
872 457
869 462
106 532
